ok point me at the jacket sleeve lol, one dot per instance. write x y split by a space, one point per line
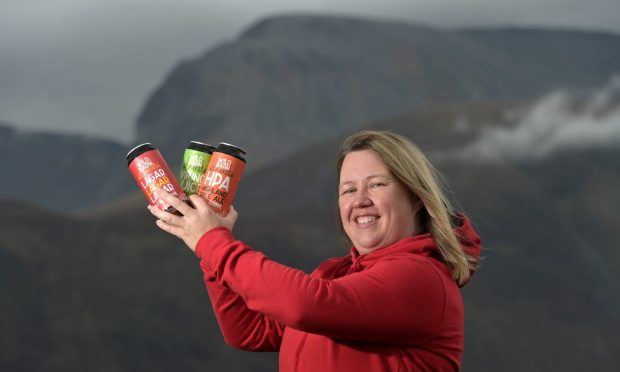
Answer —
241 327
395 301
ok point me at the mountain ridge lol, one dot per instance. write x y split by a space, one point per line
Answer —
357 71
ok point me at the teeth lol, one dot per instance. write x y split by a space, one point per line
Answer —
366 219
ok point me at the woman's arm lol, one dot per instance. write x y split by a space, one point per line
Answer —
397 301
241 327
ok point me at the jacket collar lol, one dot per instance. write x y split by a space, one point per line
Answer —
423 245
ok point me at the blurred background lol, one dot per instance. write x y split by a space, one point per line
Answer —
516 103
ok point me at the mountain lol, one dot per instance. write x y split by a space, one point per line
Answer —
289 81
112 292
59 171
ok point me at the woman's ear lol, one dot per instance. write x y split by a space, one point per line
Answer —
416 203
420 213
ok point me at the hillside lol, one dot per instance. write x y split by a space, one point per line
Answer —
103 296
59 171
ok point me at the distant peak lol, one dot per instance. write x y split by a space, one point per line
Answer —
288 26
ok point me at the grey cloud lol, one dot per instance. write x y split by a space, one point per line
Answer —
559 121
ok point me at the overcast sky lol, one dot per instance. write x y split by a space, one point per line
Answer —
87 66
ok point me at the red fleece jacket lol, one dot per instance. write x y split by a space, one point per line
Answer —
394 309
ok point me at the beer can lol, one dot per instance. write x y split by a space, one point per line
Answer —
195 161
224 172
151 172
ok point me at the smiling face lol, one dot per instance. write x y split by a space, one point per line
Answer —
376 209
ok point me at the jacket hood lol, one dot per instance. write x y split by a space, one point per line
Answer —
425 245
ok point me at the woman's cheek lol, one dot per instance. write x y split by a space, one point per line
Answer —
343 208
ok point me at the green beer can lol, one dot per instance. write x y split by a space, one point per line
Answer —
195 161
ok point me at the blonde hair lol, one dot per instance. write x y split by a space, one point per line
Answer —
407 163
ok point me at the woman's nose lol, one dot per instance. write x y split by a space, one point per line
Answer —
362 200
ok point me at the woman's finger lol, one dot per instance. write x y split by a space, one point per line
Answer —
167 217
174 230
198 202
177 203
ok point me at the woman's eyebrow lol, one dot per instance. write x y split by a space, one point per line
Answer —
379 176
386 176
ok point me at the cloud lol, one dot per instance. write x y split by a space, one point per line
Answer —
560 121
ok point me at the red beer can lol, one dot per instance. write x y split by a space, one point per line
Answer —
222 178
151 172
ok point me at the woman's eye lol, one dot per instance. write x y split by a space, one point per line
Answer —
377 185
347 191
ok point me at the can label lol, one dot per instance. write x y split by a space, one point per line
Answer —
220 182
193 170
151 172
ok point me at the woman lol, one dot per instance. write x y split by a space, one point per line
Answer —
392 304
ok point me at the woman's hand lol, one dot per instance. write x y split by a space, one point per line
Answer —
194 222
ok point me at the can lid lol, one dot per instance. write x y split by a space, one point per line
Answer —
200 146
138 150
231 150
